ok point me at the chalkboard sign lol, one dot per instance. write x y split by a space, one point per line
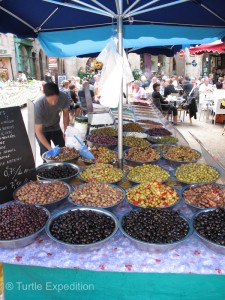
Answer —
16 158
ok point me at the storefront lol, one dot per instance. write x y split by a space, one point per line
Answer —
24 56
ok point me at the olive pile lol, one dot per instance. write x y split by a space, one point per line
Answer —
102 139
131 141
96 194
181 154
147 173
133 127
211 225
161 147
145 121
105 131
158 132
102 155
164 140
57 172
18 221
82 227
205 195
38 192
195 173
152 194
101 172
155 226
66 153
142 155
140 135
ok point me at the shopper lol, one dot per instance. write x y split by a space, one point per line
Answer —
47 117
74 106
48 76
165 106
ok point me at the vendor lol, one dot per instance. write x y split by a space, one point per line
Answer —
47 111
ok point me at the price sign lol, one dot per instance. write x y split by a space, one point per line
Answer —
17 164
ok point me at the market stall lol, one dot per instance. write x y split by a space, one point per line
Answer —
118 269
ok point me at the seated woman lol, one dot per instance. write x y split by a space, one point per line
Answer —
164 104
138 92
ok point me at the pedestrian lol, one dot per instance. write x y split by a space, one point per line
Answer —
47 111
48 76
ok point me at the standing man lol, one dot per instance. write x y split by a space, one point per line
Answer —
47 117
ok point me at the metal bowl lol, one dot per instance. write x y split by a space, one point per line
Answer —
156 145
136 182
141 135
93 246
176 163
91 144
114 182
211 245
163 207
125 147
25 241
91 161
154 141
134 163
51 205
193 207
151 247
110 208
56 164
74 159
189 183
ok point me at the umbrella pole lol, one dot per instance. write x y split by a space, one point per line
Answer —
120 106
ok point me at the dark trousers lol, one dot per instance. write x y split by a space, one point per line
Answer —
53 136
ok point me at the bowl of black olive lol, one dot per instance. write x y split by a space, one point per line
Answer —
82 228
155 230
57 171
209 226
21 224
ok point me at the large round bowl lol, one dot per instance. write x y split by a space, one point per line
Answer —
141 135
159 140
176 163
110 208
91 161
93 246
152 247
113 182
91 144
48 166
169 207
74 159
211 245
134 163
51 205
193 207
189 183
157 145
25 241
136 182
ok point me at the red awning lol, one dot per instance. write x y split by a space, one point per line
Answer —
215 47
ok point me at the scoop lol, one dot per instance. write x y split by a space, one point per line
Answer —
84 150
53 152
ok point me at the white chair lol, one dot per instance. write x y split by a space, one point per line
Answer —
218 110
206 108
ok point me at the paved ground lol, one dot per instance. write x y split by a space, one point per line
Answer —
210 135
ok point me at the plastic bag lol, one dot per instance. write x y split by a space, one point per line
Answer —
115 68
70 141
